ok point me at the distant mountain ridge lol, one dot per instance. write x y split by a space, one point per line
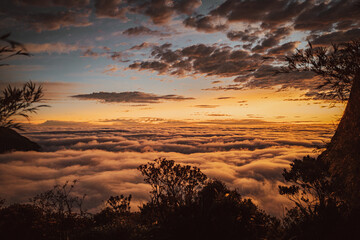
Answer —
10 140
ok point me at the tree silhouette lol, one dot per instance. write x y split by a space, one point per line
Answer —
119 204
16 101
172 185
311 185
339 68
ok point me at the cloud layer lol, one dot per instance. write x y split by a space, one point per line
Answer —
249 158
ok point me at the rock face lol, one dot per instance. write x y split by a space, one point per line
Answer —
10 140
343 152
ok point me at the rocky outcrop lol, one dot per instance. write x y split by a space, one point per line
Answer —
10 140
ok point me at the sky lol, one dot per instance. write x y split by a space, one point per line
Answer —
160 68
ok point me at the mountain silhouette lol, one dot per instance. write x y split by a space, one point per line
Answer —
10 140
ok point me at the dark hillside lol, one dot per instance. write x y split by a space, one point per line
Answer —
10 140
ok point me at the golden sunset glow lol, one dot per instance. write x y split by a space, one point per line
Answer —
213 84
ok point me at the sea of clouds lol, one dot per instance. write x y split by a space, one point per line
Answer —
104 159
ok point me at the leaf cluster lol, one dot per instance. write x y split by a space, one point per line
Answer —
310 184
16 101
336 65
172 184
119 204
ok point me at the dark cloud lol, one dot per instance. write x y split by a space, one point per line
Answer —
143 45
323 16
272 12
336 37
205 23
187 6
54 21
284 48
161 11
119 56
265 77
141 30
152 65
199 59
130 97
115 56
272 39
49 3
90 53
216 82
110 9
249 70
206 106
222 98
244 36
44 15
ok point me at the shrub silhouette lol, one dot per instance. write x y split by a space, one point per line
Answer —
318 213
23 221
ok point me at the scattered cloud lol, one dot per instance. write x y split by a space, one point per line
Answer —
130 97
161 12
206 106
143 45
118 56
50 3
141 30
54 21
335 37
199 59
49 48
217 115
110 9
244 36
283 49
223 98
207 24
216 82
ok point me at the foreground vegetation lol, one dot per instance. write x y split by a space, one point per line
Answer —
185 204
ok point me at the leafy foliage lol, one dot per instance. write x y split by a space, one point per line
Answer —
319 213
119 204
337 66
311 185
172 184
19 102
